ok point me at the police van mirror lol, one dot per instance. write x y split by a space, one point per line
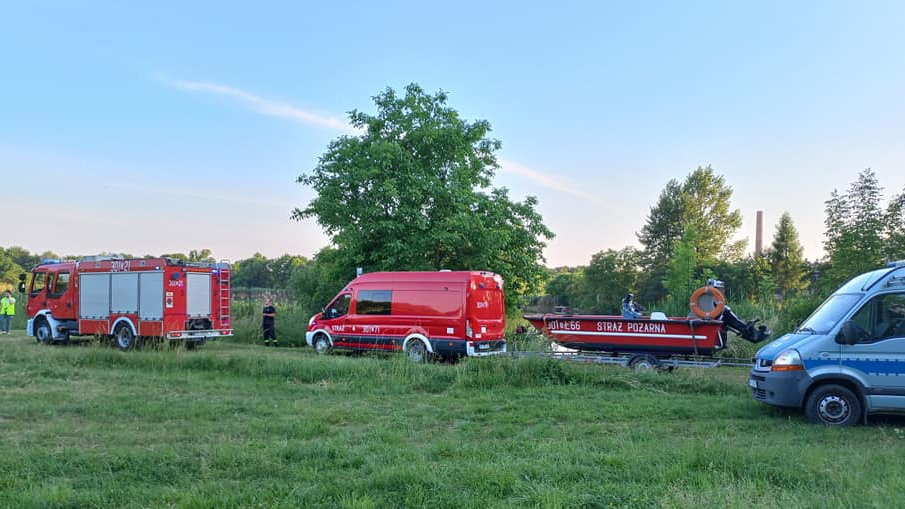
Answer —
851 333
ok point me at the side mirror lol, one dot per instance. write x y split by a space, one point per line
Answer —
333 313
851 333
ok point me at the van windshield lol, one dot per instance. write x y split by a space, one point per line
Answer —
829 313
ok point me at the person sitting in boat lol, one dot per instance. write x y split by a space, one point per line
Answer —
631 309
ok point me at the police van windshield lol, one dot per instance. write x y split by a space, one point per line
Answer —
829 313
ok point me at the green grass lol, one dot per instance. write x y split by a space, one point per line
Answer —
235 425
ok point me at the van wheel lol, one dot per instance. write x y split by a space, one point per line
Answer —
322 344
417 351
43 332
123 337
833 405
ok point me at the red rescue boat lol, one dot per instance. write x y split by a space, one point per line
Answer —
659 337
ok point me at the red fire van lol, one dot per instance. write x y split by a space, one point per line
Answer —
425 314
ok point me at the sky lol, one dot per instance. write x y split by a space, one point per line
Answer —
168 126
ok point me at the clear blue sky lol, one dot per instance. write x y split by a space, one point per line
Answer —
170 126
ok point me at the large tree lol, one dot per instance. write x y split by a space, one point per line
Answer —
860 234
262 272
680 272
786 258
610 275
315 282
412 192
9 271
701 201
895 228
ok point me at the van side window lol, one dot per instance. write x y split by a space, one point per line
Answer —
374 302
339 307
883 317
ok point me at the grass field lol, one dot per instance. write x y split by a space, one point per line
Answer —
235 425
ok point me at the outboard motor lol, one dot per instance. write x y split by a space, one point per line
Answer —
747 330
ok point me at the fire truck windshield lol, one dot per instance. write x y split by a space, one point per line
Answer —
37 282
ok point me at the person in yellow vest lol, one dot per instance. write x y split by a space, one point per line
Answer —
7 310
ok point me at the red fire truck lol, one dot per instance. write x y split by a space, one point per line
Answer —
129 299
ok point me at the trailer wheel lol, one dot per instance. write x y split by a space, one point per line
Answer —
417 351
644 363
833 405
43 332
123 337
322 344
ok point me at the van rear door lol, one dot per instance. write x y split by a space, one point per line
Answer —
486 312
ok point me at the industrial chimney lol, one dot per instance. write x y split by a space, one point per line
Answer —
759 234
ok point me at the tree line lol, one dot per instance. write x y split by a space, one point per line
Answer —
412 190
686 239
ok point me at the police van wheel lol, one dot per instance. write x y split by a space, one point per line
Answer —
123 337
833 405
43 332
321 344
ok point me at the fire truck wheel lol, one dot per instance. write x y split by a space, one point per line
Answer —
43 332
417 351
322 344
123 337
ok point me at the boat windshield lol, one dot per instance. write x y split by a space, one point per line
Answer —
829 313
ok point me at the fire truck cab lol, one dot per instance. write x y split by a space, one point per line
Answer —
129 300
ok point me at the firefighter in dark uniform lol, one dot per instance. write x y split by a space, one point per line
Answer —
270 331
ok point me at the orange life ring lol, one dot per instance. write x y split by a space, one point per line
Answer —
719 303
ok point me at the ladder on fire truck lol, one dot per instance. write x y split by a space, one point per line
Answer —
225 293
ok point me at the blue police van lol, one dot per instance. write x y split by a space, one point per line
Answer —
847 360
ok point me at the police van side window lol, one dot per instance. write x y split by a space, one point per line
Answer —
883 317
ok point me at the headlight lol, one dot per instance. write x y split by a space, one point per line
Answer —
788 360
311 321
